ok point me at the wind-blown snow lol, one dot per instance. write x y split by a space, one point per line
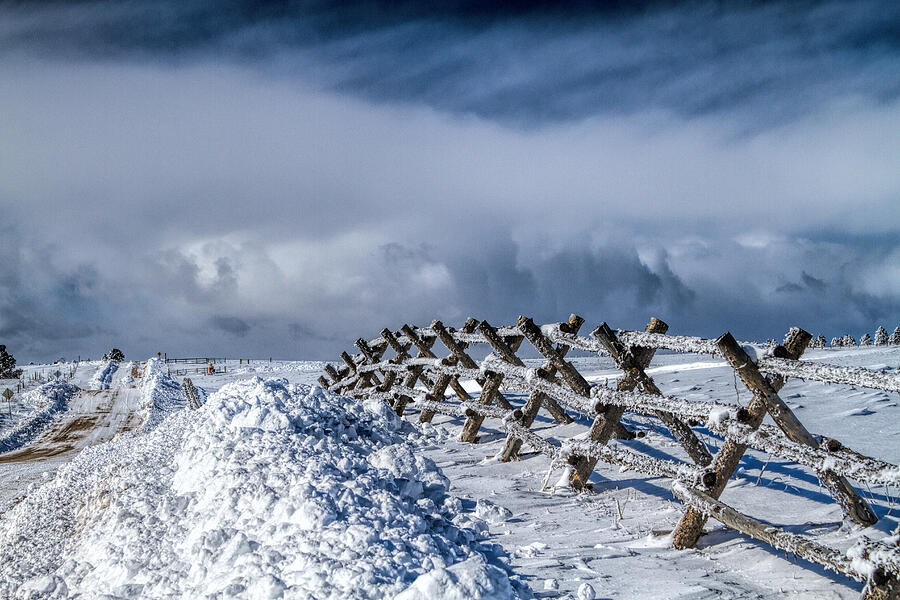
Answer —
46 401
271 489
103 378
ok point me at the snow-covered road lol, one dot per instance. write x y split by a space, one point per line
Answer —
91 417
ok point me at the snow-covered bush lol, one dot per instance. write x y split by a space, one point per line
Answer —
865 340
849 340
837 342
881 336
895 337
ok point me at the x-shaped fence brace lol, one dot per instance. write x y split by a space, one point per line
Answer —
558 387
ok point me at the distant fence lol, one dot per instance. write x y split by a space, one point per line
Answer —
558 387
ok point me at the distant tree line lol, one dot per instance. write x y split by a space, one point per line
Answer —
881 339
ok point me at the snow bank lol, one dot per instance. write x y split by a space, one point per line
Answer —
103 378
46 401
160 394
270 490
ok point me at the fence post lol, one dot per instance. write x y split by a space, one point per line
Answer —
191 393
536 398
633 361
440 386
851 503
729 456
606 421
490 391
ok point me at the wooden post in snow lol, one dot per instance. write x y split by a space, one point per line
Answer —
729 456
851 503
632 362
490 391
440 386
537 399
605 423
416 372
190 392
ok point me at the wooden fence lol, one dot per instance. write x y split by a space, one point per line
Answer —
403 367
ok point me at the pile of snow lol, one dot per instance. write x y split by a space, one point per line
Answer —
160 394
45 402
270 490
103 378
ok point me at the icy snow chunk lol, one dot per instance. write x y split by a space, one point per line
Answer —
490 512
471 579
531 550
718 416
585 592
551 584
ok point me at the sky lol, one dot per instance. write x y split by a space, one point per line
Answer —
279 179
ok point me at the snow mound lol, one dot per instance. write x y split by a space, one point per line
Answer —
160 394
103 378
270 490
472 579
46 401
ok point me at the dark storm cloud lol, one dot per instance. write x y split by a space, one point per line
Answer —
261 179
233 325
522 62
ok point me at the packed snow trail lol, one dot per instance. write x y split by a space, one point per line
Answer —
85 418
93 416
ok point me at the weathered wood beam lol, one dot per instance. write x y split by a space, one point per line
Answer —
605 423
491 390
775 536
570 374
628 359
690 526
536 399
851 503
425 351
439 388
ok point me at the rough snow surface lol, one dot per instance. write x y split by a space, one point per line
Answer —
103 378
270 490
46 402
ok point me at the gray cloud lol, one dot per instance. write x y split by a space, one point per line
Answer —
722 168
232 325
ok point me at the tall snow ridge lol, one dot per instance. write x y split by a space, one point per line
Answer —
269 490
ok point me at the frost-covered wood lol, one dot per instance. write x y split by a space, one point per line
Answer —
826 373
424 346
690 526
557 382
543 345
536 398
852 504
679 343
633 361
490 391
190 392
609 414
775 536
847 463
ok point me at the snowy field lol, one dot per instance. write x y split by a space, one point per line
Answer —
110 488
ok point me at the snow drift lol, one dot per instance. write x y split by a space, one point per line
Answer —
44 403
270 490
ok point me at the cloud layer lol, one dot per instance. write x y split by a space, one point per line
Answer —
176 191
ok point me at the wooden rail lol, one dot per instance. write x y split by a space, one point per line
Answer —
385 369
